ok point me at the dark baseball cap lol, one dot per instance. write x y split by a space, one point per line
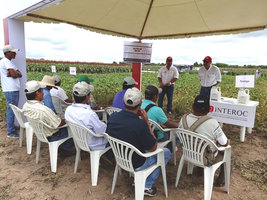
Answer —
202 102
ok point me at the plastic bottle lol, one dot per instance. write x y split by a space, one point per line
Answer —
243 96
215 93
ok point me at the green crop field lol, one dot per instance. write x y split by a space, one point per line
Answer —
186 88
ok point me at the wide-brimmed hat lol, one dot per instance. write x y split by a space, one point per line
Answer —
48 81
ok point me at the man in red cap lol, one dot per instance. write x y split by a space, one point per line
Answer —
167 76
209 75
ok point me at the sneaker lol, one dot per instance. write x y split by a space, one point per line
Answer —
150 191
13 135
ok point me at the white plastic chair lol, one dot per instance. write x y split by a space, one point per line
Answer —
154 125
38 127
194 146
23 126
123 152
103 113
79 133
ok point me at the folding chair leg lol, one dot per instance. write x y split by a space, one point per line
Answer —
208 182
53 151
38 146
115 176
77 159
190 168
179 171
21 130
139 186
29 136
94 160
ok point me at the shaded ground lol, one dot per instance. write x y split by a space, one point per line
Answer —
21 178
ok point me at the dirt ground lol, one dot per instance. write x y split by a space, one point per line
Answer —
21 178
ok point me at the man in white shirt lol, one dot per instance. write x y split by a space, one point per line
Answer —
199 122
209 75
10 84
58 91
81 113
167 76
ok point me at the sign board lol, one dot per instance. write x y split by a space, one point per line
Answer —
137 52
236 114
73 71
244 81
53 69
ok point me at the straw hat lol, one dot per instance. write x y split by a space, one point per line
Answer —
48 81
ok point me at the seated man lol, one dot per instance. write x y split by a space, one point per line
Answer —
49 83
199 122
58 91
128 82
132 126
81 113
91 100
36 109
156 113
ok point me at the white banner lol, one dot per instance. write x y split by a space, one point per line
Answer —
236 114
137 52
244 81
73 71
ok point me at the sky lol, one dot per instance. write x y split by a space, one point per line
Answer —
69 43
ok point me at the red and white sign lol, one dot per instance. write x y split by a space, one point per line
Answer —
232 113
137 52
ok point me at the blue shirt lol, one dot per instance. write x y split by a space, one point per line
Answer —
117 101
48 100
156 114
128 127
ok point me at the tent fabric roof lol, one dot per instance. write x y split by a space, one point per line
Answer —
153 19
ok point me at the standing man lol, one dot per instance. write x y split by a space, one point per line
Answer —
10 84
131 125
209 75
166 77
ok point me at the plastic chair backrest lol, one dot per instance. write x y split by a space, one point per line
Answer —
18 114
110 110
194 145
79 134
123 153
154 125
38 128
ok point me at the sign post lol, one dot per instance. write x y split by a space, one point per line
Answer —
137 53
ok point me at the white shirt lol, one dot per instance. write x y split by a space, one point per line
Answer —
37 110
83 114
8 84
59 92
210 128
167 75
209 77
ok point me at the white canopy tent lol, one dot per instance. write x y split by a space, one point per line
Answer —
140 19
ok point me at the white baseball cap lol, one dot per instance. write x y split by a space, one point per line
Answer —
33 86
82 89
132 97
57 79
8 48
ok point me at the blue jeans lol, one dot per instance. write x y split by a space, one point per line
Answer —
11 98
168 90
205 91
61 134
151 179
